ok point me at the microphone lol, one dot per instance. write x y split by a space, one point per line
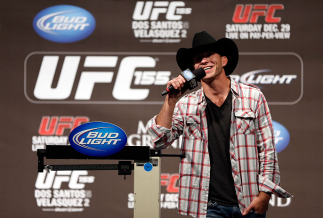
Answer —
191 79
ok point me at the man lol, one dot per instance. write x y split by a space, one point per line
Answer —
230 167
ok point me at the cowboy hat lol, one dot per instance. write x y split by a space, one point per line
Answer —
205 42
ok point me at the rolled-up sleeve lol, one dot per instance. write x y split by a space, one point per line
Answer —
163 137
269 176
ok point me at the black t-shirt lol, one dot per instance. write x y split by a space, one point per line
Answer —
222 188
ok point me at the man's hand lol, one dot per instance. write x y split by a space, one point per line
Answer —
178 84
259 204
164 118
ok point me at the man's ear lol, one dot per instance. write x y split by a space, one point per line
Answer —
224 61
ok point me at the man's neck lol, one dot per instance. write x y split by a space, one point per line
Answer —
218 87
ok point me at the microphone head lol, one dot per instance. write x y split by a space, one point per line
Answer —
199 73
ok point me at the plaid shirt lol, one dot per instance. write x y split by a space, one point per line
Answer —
252 151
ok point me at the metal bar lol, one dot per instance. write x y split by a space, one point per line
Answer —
127 153
173 155
86 167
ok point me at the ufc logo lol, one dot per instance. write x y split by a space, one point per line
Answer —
250 13
170 180
56 125
152 10
55 179
124 78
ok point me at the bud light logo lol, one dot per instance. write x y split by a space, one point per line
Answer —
281 136
64 23
98 139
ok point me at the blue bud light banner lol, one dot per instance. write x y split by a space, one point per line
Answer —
98 139
64 23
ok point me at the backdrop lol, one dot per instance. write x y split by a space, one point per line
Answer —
64 63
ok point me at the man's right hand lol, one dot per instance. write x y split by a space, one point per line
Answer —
164 118
178 84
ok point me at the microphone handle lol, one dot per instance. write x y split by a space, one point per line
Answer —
167 90
188 84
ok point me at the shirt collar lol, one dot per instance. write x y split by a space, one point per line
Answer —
234 87
201 97
234 90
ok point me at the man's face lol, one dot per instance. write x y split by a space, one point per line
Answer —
211 62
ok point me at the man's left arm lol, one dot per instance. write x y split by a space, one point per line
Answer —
267 154
269 176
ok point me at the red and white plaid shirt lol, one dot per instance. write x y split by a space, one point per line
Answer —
252 150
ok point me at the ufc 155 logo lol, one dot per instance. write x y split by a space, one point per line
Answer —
94 78
151 10
74 179
249 13
63 191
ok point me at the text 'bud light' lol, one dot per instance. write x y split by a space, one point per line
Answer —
98 139
282 137
64 23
